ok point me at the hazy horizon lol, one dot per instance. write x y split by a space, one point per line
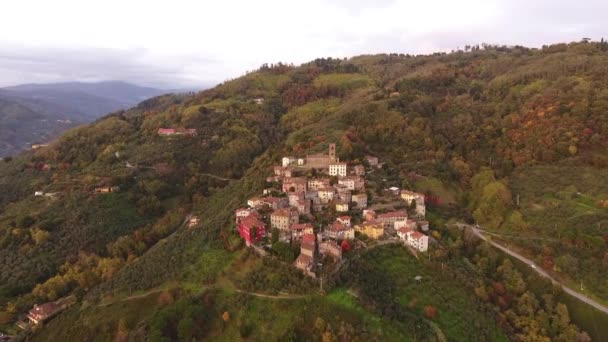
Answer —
189 45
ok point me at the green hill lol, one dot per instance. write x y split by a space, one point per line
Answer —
512 138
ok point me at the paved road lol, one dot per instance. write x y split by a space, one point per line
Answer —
481 234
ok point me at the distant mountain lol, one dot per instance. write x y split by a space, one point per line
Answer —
32 113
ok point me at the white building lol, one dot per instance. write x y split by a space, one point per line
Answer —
345 220
337 169
286 161
410 196
414 239
341 207
419 241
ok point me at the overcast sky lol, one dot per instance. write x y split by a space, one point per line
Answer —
188 43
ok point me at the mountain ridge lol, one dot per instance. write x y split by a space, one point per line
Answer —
66 105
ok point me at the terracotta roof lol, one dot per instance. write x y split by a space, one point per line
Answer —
417 235
405 230
281 212
303 259
44 309
310 246
252 221
317 155
337 226
345 217
295 180
308 238
300 226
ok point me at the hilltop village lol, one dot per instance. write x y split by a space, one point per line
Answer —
320 204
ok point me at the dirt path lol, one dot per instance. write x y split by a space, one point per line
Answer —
283 296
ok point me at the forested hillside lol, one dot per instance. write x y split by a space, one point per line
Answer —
513 139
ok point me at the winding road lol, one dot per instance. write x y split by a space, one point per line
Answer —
481 234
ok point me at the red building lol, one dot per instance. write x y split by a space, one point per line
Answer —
251 229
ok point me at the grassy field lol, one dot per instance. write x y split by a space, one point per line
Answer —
559 198
343 81
448 194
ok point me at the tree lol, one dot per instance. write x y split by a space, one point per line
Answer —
430 312
413 206
25 221
275 235
345 246
185 328
493 205
39 236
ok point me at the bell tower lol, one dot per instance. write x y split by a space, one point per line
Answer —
332 153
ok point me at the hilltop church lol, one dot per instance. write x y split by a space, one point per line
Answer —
322 161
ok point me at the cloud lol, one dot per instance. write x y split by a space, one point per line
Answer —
56 64
189 42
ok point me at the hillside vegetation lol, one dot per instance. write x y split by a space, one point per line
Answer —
511 138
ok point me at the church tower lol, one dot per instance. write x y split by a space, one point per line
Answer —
332 153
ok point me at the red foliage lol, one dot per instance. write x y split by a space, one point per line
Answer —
345 246
587 131
433 200
547 262
499 288
430 311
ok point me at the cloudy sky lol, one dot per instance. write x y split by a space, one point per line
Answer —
189 43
